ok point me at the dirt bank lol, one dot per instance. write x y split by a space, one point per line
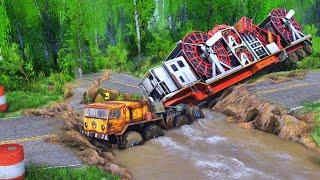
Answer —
90 152
251 112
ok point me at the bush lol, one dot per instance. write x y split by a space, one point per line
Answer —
117 58
14 71
160 46
313 61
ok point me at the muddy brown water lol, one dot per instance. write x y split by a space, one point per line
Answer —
212 148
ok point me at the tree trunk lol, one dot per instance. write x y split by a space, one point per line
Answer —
21 42
136 18
80 52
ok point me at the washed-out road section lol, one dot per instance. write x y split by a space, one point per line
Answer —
31 131
208 149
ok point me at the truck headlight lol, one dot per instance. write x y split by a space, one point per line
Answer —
94 124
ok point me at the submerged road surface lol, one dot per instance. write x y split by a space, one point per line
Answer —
212 148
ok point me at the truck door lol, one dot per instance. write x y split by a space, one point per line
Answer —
116 120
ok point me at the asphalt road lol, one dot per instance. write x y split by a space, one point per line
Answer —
291 94
123 82
31 132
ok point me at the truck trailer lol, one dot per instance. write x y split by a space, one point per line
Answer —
202 65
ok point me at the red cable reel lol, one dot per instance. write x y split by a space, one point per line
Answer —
276 19
195 56
230 33
243 51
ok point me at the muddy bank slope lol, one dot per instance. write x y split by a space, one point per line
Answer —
249 111
89 151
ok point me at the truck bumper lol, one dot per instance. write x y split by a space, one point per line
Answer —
95 135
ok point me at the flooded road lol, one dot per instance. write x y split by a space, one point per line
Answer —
212 148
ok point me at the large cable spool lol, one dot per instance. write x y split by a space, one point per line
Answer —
276 18
195 56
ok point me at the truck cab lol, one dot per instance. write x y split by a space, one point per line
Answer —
129 123
113 117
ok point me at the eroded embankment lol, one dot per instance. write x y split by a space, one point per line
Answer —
90 152
251 112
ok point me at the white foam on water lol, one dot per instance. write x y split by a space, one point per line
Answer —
215 139
284 156
219 166
167 142
190 132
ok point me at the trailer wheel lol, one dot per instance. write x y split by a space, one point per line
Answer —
131 138
152 131
293 58
308 49
301 54
180 120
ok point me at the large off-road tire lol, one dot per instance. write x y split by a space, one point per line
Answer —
101 144
308 49
293 57
131 138
180 120
152 131
198 113
301 54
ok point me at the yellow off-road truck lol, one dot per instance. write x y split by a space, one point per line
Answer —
129 123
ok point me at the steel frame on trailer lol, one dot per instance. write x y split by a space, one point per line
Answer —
200 91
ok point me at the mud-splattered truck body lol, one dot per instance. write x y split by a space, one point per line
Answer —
129 123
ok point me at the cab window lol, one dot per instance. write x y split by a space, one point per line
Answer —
114 114
90 112
101 113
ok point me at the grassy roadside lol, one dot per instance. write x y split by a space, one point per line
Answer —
20 100
38 93
314 107
90 173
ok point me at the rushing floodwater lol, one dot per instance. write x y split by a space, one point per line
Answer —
211 148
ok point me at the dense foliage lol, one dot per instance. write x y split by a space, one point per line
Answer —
41 37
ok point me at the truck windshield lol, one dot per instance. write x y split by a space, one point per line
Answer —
96 113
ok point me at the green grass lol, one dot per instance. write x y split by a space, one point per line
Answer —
21 100
314 107
84 173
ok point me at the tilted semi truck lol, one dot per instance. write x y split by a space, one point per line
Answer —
201 65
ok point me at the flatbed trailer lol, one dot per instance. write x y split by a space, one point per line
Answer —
200 91
205 63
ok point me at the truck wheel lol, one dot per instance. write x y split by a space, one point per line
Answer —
131 138
308 49
101 144
301 54
293 58
152 131
195 113
180 120
198 113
